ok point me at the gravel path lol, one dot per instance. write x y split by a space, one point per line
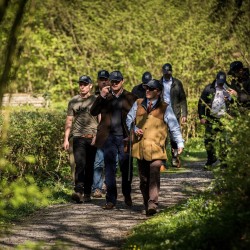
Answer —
88 226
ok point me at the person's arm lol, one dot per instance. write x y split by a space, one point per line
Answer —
131 118
97 106
183 103
202 106
244 95
68 125
174 127
131 115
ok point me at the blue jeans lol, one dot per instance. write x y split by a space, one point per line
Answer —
98 178
84 154
98 170
113 146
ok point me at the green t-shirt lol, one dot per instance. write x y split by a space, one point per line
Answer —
84 122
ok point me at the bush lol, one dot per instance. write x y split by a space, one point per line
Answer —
219 219
34 144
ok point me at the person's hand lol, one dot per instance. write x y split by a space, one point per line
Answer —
139 133
66 145
183 119
93 141
203 121
105 91
232 92
180 150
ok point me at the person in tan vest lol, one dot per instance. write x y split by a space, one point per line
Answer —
152 118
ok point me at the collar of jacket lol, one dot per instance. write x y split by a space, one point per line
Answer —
117 96
213 85
173 81
144 103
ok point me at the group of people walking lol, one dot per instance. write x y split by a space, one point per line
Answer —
112 126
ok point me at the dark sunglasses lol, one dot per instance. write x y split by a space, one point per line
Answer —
149 88
103 79
115 82
83 83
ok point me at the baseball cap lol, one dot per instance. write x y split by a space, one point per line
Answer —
153 83
103 74
115 75
221 77
167 68
146 77
235 67
85 78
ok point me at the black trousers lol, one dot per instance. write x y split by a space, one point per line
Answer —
213 127
84 154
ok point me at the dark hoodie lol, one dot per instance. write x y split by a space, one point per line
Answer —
242 86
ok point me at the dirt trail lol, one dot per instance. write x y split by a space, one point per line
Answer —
88 226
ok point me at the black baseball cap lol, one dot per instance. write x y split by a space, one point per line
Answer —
167 68
85 78
146 77
103 74
153 83
116 75
221 77
235 67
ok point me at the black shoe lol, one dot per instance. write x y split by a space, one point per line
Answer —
108 206
209 163
128 201
77 197
86 198
151 211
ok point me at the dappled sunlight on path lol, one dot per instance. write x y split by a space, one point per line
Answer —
88 226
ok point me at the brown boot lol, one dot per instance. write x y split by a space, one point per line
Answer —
163 168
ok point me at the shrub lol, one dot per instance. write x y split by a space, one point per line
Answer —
35 144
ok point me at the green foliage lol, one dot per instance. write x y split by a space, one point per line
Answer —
32 160
218 219
201 223
42 245
234 144
194 150
35 144
60 42
22 195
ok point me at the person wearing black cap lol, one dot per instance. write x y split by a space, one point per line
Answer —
174 94
240 83
113 104
83 127
138 90
153 118
213 104
98 180
102 80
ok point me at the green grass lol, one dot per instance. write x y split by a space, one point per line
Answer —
200 223
213 220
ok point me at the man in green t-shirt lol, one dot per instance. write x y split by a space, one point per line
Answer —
83 127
